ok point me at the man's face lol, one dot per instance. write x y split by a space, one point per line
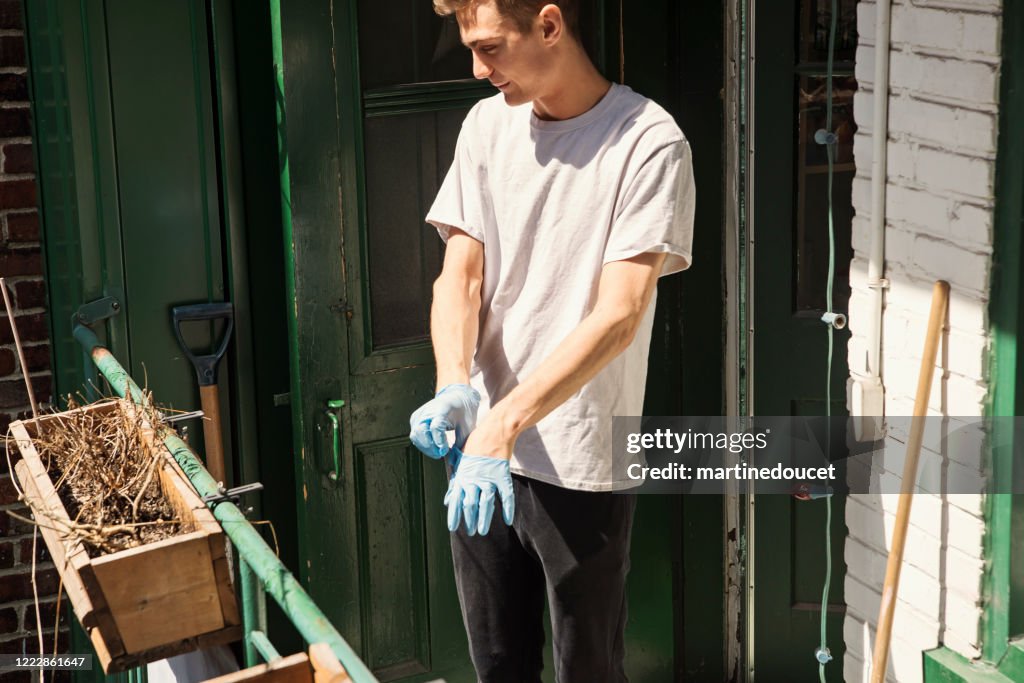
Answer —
514 62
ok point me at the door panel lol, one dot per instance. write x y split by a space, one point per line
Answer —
789 296
165 182
393 553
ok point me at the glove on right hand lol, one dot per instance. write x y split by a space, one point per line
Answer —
472 489
454 407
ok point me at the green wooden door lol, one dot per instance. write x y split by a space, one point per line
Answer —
402 91
137 181
130 182
375 98
790 232
677 628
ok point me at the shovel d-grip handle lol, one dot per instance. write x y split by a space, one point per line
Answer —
206 365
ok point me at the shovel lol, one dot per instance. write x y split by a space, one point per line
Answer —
206 372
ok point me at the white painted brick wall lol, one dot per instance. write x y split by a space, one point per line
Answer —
943 117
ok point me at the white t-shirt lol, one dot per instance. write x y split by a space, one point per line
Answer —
552 202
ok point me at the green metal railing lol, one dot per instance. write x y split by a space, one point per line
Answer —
261 572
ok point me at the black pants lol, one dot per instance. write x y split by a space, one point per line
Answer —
572 546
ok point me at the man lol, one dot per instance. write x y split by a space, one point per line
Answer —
567 199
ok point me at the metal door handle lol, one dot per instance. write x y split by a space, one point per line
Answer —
331 411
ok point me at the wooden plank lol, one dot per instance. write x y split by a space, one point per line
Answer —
100 645
171 486
80 602
179 490
128 661
161 591
102 619
292 669
188 505
326 667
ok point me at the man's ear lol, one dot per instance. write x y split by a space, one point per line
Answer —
552 23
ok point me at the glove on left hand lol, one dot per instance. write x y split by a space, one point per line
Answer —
471 492
454 407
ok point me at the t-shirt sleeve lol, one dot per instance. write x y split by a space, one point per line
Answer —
458 204
656 210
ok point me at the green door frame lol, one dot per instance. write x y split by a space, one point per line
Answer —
1003 584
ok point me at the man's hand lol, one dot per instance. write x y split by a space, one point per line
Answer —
454 407
476 478
472 489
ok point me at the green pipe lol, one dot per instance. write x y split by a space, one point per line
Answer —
254 602
250 610
310 622
118 377
262 644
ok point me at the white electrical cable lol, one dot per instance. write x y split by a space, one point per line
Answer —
822 654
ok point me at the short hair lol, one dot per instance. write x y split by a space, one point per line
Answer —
520 12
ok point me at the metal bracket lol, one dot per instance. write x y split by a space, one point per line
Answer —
233 495
180 417
880 283
836 320
94 311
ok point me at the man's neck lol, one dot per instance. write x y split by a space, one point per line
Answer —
580 88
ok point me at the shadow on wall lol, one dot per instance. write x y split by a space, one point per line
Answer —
939 597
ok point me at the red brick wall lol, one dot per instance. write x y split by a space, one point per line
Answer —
21 264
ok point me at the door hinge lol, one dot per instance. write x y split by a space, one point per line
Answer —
342 308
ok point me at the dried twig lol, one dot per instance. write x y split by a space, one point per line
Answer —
21 352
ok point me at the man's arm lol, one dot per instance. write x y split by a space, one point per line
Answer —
455 312
624 292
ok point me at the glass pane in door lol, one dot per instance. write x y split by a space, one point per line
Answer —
404 41
811 243
407 157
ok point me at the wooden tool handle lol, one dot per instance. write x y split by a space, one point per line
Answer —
211 432
886 611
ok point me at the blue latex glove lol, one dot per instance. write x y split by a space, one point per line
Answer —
471 492
454 407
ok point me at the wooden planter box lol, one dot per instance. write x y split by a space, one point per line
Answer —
319 666
146 603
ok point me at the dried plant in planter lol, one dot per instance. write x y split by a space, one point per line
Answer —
104 466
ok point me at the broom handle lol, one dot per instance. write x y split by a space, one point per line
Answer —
212 438
940 299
